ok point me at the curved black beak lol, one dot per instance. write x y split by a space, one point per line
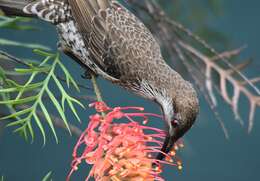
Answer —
161 156
167 145
170 139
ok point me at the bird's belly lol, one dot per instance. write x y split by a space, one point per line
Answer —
72 39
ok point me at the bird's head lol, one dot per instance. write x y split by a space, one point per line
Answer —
180 110
184 112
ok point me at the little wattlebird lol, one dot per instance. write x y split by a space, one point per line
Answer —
110 41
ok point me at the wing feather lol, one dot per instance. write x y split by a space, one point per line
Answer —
90 17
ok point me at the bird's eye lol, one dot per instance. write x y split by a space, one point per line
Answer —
175 123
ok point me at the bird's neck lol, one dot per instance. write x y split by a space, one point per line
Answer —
163 87
160 94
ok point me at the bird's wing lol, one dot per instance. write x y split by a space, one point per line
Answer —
90 16
115 38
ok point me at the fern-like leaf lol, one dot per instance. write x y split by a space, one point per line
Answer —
15 23
36 100
47 177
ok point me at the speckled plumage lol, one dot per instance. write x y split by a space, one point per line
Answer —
113 43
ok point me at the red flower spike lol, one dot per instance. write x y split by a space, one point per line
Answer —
100 106
121 151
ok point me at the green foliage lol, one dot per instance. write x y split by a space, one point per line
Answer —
15 23
25 101
34 92
2 76
47 177
3 82
6 42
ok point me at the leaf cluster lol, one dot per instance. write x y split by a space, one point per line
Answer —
15 23
33 93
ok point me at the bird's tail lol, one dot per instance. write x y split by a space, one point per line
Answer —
15 7
53 11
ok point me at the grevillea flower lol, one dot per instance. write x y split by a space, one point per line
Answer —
121 150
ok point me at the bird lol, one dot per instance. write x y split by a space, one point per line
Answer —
110 41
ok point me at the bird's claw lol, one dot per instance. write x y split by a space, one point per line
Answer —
88 74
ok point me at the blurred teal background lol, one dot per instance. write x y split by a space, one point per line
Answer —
207 155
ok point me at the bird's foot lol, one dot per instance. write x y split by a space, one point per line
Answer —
88 74
62 47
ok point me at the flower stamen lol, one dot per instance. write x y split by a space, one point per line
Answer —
122 151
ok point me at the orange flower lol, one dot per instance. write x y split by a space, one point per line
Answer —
121 151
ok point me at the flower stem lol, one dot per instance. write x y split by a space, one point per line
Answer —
97 91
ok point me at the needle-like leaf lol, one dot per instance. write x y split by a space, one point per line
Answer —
37 99
47 177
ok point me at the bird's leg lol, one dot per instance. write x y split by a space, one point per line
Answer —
62 47
88 74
